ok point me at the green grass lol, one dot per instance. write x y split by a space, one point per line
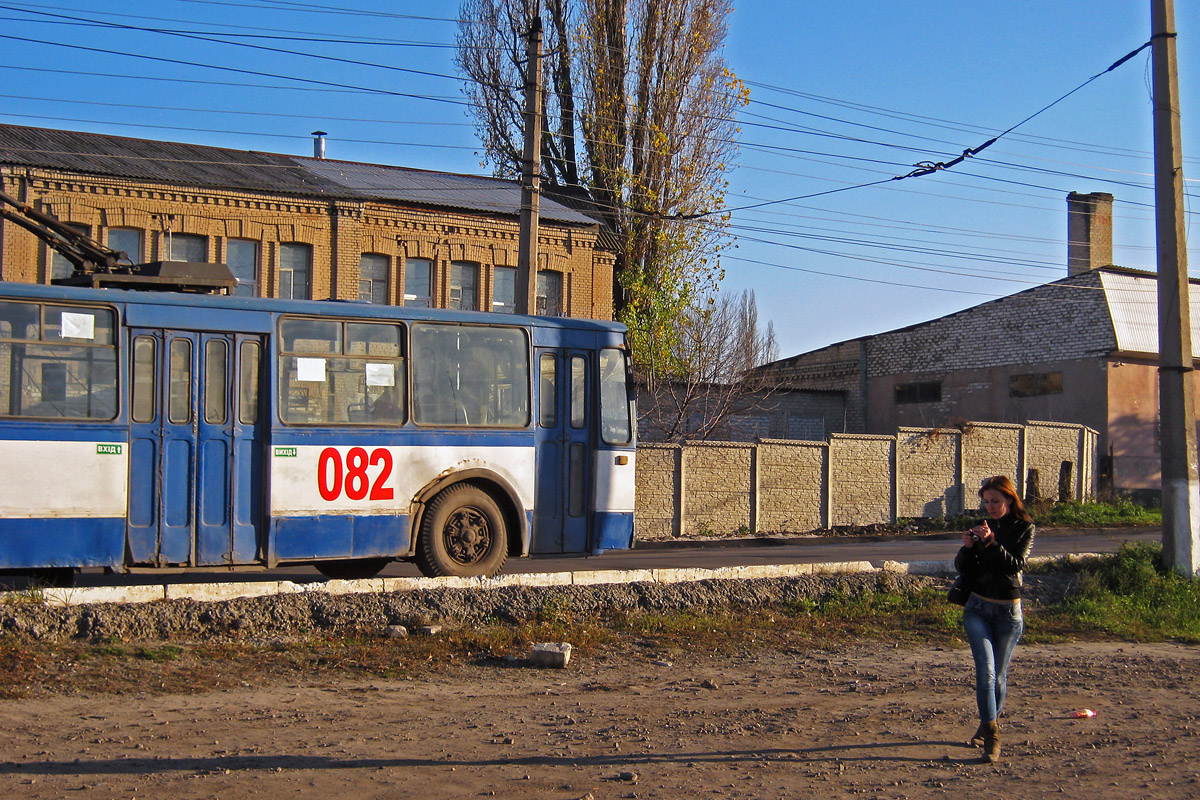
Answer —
1132 595
1094 515
1118 513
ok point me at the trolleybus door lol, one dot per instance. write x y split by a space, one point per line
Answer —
195 448
564 452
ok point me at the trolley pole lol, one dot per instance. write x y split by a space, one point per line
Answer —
531 172
1177 411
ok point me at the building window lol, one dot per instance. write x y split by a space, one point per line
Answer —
186 247
464 285
1034 385
418 282
504 290
373 278
59 266
549 293
241 255
923 392
295 270
128 241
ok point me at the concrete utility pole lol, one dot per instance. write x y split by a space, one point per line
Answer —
1177 410
531 172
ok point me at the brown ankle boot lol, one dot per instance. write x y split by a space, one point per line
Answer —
991 742
976 739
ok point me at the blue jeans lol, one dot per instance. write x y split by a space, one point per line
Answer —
993 630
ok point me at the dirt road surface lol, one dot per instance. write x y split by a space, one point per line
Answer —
866 721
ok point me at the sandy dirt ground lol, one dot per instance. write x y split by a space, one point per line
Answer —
883 722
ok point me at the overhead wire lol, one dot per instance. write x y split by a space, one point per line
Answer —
817 194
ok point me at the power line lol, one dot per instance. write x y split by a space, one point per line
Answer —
293 35
237 70
264 48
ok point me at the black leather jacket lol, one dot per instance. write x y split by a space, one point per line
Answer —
995 571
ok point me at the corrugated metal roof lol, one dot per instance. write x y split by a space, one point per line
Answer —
217 167
1133 302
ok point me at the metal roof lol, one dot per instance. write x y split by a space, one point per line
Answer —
271 173
1133 303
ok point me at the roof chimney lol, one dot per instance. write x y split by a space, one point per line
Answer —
1089 231
319 147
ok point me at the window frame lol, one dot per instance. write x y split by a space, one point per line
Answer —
256 268
290 270
44 341
378 259
498 304
542 295
457 270
419 377
418 300
135 257
915 392
286 362
168 245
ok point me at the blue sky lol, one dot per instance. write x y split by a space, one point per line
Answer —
842 94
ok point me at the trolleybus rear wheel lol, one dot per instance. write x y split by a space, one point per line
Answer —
462 534
352 569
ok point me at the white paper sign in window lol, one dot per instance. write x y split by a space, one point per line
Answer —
381 374
78 326
310 369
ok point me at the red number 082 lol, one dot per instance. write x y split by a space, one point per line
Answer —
332 478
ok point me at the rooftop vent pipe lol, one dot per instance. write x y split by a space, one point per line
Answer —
319 144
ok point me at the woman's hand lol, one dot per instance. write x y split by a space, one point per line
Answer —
979 536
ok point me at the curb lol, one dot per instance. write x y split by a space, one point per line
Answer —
218 592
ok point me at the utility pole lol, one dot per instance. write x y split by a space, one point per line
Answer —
531 170
1177 410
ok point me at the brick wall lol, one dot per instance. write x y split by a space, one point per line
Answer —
780 486
339 233
838 367
718 492
791 485
989 449
658 479
928 483
1049 447
861 469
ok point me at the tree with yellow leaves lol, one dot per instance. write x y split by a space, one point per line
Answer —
639 110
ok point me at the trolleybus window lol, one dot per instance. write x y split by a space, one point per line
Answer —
339 372
578 391
615 427
57 361
216 368
248 384
548 395
179 382
144 386
470 375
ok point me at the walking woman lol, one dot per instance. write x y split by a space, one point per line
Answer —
991 560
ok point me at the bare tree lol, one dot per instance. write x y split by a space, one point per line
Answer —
642 84
491 52
712 378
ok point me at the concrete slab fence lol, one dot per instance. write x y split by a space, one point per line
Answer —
712 489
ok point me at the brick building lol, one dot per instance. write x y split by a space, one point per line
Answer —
299 227
1082 350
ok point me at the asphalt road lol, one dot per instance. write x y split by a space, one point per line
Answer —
707 555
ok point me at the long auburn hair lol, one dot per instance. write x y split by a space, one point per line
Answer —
1004 486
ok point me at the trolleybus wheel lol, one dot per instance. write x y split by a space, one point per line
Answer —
462 534
352 569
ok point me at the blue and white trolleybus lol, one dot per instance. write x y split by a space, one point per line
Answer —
175 430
